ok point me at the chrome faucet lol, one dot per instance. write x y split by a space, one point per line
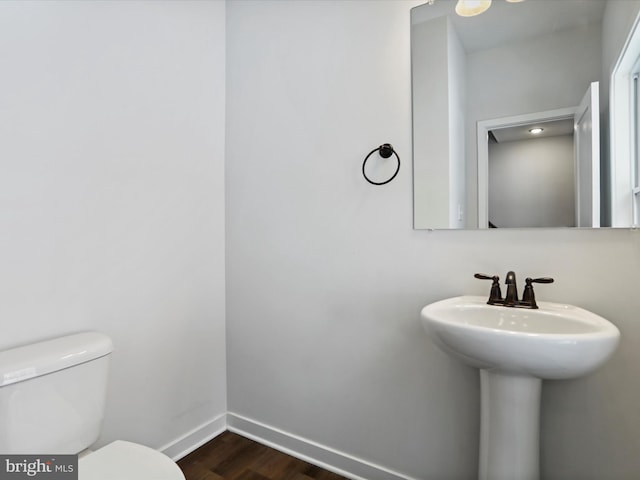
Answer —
511 299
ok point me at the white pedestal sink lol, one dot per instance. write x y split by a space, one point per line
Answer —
515 349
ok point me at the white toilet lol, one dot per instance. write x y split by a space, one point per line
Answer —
52 397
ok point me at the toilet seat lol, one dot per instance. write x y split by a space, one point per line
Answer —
127 461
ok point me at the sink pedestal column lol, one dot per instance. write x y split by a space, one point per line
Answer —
509 427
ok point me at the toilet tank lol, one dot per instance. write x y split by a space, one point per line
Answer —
52 394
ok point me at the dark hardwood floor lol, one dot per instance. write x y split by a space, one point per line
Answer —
232 457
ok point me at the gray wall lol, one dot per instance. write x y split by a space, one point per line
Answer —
531 183
439 81
112 198
326 278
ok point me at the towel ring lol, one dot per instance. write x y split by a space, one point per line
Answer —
385 151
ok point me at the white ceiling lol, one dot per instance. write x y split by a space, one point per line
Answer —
521 132
508 22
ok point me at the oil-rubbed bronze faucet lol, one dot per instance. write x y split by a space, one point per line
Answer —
511 299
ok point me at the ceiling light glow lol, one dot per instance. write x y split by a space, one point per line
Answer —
469 8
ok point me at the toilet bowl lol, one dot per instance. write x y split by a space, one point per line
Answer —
123 460
52 398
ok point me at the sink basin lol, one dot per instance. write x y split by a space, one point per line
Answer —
556 341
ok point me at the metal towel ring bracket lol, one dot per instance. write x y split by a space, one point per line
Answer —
385 151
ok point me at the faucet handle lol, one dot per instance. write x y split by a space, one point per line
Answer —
495 295
528 296
539 280
484 276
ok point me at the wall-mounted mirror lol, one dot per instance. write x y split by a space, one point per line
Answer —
511 114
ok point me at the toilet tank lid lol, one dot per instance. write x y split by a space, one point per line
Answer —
29 361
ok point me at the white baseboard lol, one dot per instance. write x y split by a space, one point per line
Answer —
195 438
328 458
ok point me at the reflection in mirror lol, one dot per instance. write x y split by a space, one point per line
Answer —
548 160
530 164
475 75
